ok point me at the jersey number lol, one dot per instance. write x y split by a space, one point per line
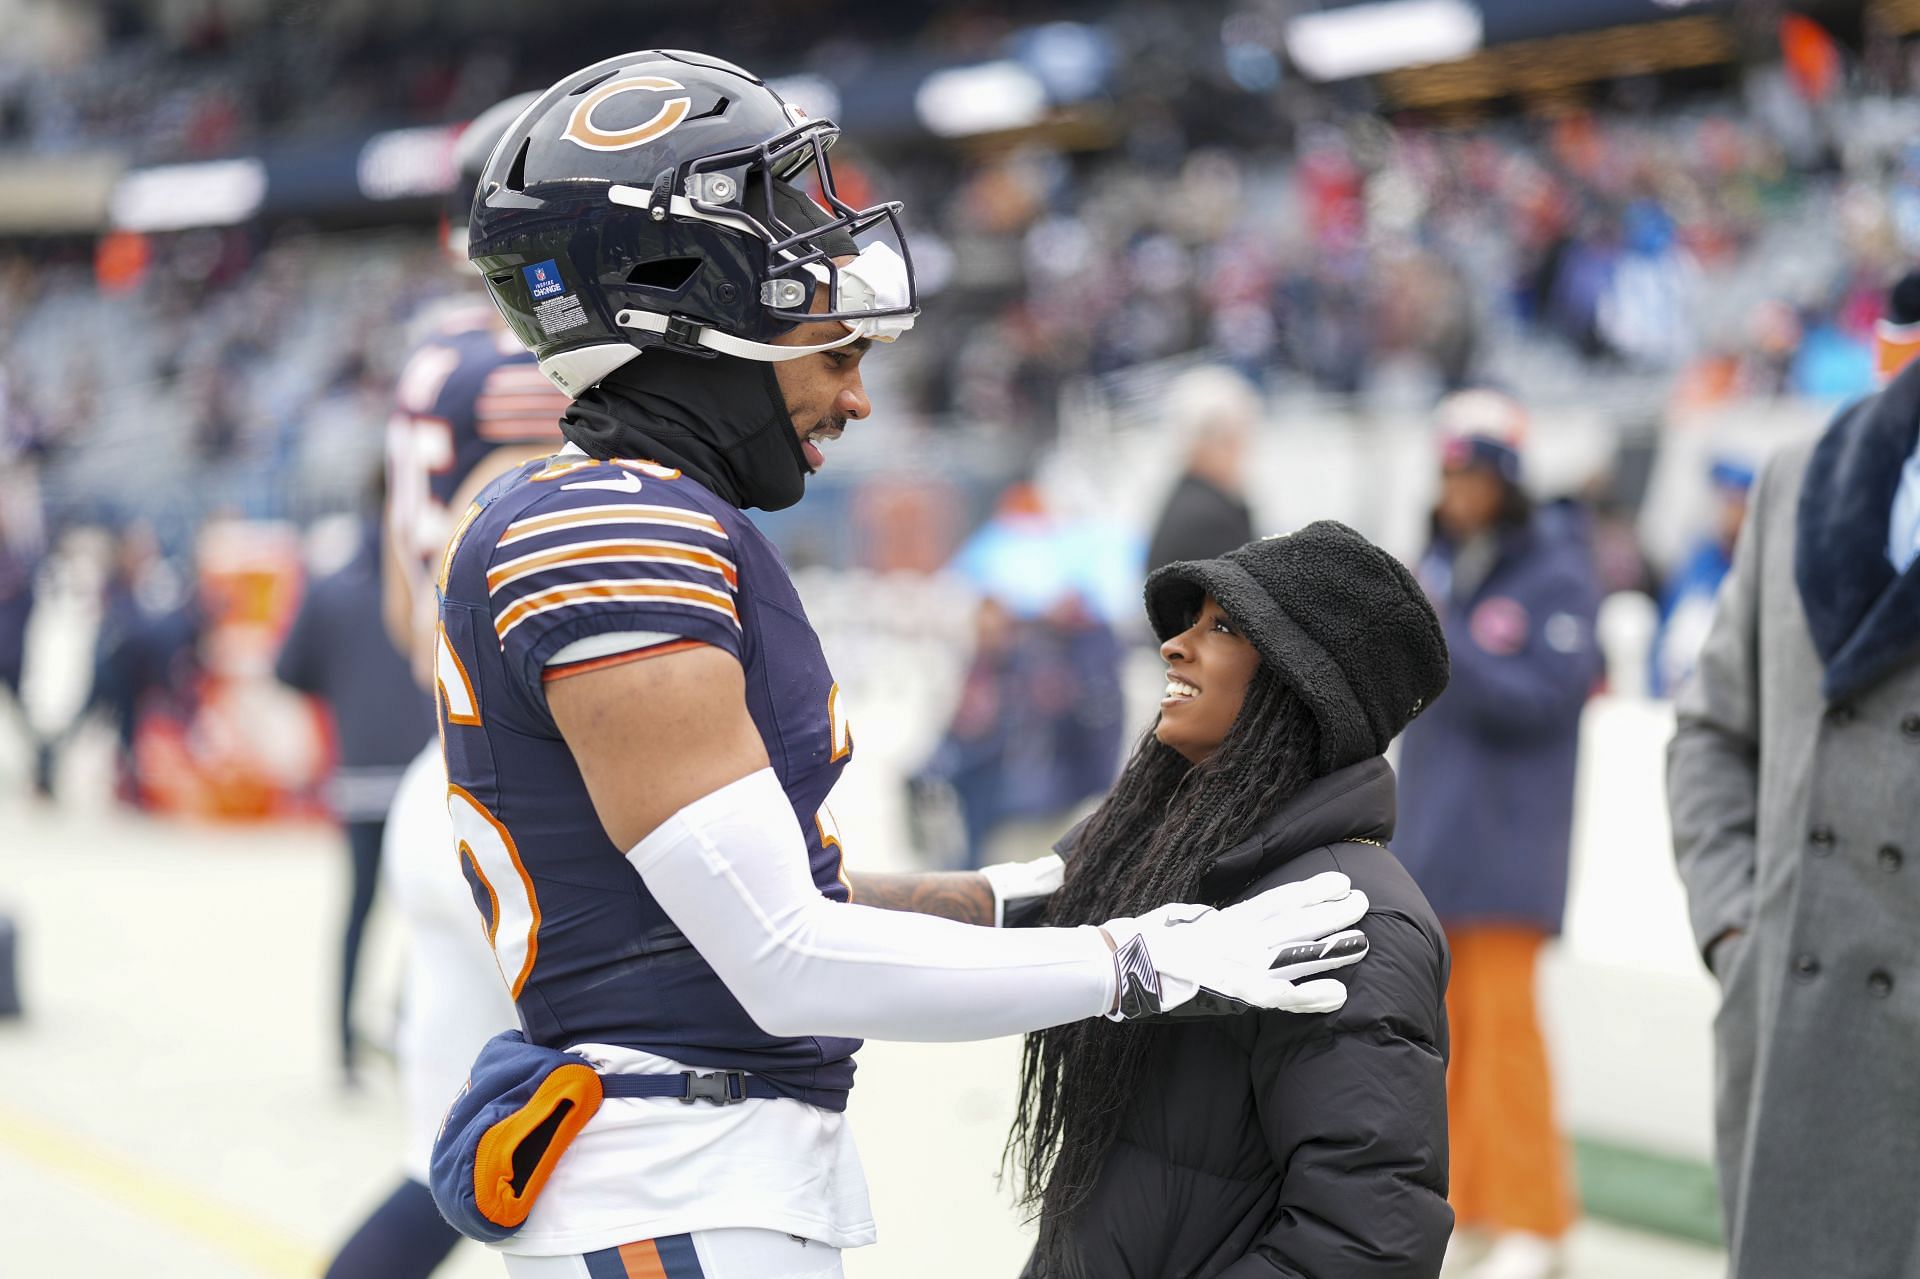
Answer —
492 865
450 678
418 448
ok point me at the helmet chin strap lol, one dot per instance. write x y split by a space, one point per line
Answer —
727 344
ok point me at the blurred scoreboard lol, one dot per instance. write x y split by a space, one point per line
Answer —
1451 54
1547 66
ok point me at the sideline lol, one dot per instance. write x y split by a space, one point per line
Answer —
153 1194
1648 1191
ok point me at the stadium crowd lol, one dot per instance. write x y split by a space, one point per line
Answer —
1604 244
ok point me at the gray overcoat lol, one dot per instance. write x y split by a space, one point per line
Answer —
1796 818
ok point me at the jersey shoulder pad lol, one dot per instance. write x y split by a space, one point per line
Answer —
626 543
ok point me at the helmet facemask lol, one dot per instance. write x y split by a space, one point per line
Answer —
756 192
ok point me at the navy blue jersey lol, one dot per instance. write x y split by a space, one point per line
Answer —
465 391
553 554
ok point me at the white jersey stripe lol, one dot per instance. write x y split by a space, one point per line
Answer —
601 516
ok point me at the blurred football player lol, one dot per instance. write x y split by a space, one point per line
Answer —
641 730
470 404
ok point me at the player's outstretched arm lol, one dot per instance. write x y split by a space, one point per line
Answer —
679 777
961 895
983 896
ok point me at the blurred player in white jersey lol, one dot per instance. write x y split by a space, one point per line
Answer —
470 404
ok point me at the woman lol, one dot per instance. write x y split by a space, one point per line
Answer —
1516 591
1257 1145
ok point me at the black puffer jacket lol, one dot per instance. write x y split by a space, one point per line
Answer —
1273 1144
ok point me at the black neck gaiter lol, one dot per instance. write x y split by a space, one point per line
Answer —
723 421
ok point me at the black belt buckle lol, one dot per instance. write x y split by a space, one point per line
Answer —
718 1087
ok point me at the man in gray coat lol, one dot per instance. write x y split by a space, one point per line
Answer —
1794 783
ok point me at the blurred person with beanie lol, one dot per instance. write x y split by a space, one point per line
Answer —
1896 335
1261 1144
1790 781
1487 786
1206 514
1686 609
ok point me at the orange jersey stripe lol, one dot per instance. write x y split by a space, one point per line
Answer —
519 430
494 402
613 592
642 1260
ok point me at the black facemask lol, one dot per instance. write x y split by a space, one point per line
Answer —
722 420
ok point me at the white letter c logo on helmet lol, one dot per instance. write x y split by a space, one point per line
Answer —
580 128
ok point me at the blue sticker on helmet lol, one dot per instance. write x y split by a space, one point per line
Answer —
543 279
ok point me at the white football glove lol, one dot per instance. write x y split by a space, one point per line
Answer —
1014 882
1250 955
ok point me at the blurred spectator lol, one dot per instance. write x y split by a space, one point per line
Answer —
17 570
1206 515
1646 312
145 654
1486 818
338 652
1038 726
1896 335
1686 612
1613 534
1790 783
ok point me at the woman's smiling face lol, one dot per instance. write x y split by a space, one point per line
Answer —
1209 666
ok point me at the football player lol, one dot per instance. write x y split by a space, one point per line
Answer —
470 403
641 730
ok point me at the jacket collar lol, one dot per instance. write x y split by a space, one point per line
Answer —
1356 802
1864 620
1475 561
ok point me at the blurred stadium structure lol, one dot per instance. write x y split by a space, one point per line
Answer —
1666 226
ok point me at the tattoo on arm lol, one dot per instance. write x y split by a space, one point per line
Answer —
959 895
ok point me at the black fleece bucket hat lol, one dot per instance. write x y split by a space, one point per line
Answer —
1340 621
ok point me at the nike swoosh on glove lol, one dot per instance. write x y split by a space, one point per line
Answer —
1253 954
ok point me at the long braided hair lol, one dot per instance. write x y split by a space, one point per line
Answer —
1149 843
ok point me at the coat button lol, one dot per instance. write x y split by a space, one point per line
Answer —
1911 726
1840 714
1821 837
1806 967
1880 983
1890 858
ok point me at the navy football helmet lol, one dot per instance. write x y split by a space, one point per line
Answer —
470 151
655 199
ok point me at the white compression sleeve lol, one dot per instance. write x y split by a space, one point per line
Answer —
730 870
